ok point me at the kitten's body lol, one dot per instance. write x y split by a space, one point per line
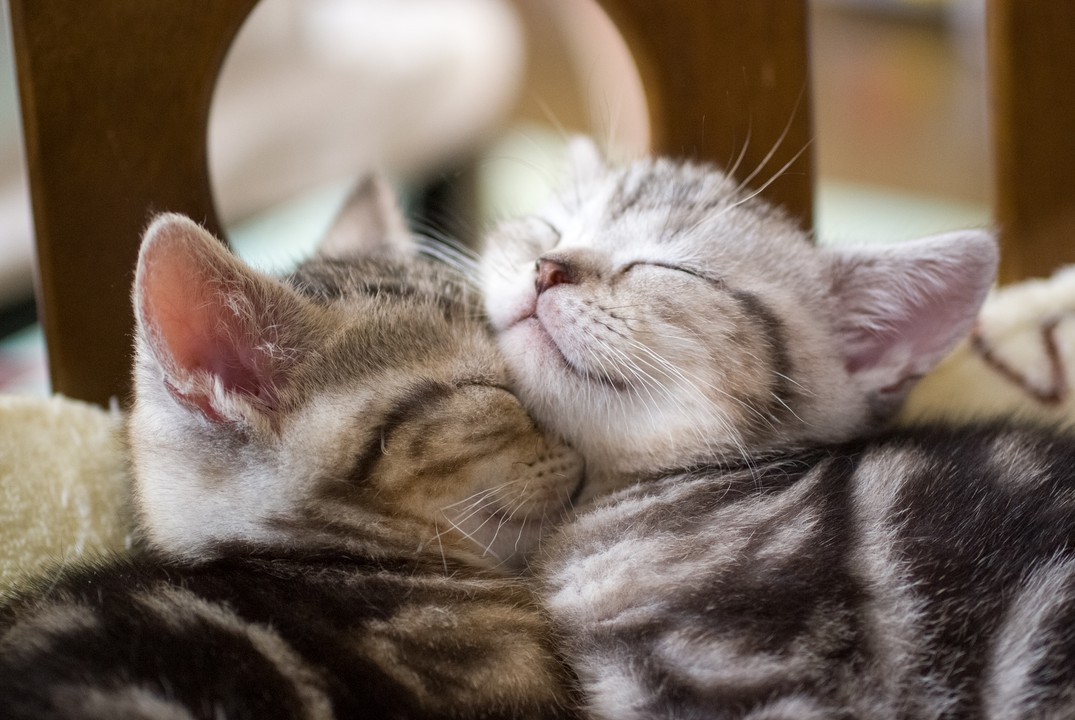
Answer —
280 633
920 574
744 555
331 481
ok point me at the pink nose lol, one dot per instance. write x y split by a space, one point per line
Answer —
551 273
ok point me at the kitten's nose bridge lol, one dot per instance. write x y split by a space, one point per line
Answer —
552 272
568 267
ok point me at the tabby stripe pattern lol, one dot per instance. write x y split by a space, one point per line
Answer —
278 637
917 578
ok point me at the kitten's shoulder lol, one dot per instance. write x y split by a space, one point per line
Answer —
963 441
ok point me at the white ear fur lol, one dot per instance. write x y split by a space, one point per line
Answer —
221 333
370 221
903 307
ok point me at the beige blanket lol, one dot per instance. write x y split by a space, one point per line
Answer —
63 483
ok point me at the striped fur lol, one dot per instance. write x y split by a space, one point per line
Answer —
755 544
334 489
926 573
279 634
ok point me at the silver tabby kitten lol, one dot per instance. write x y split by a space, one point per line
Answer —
332 481
755 544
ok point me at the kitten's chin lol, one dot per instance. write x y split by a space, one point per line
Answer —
531 347
530 350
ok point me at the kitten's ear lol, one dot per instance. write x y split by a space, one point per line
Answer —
223 335
904 306
586 160
370 222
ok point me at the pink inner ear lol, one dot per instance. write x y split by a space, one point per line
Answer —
193 298
923 331
906 306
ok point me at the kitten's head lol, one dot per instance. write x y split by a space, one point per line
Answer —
358 398
660 315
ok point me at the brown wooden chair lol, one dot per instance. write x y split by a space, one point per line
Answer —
115 100
116 97
1032 74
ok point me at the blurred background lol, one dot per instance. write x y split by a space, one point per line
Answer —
316 92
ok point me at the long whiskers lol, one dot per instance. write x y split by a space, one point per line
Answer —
776 146
649 371
776 176
503 503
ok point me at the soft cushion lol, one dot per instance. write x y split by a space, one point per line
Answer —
63 483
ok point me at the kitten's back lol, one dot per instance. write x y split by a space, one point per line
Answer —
925 573
277 635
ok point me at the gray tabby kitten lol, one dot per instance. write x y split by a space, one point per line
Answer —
755 545
333 484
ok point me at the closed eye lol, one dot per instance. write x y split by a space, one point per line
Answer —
677 268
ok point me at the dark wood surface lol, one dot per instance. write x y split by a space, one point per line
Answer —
115 100
719 73
1032 66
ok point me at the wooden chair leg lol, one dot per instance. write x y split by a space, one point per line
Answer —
1032 65
115 100
723 74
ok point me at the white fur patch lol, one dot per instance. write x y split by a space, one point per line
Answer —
614 691
711 663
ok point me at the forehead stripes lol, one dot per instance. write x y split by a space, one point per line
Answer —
408 405
419 282
682 198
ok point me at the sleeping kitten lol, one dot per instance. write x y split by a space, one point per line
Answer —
754 544
333 481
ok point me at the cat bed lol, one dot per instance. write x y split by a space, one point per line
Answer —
64 476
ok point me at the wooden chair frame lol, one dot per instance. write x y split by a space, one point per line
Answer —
116 96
